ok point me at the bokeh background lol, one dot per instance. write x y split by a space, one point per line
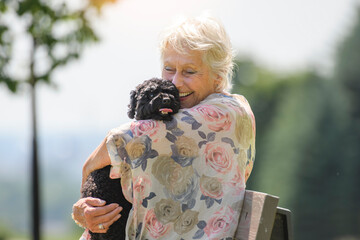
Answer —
298 64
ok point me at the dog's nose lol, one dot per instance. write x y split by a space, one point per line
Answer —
166 100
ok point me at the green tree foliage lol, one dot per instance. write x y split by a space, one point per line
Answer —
347 73
308 135
347 65
56 34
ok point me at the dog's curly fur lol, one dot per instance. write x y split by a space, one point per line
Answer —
99 185
146 102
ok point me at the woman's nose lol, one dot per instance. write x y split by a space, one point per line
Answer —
177 80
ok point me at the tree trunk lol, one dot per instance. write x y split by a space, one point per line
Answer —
34 160
34 170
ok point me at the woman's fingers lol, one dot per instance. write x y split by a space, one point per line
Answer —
90 213
82 205
105 210
101 218
96 202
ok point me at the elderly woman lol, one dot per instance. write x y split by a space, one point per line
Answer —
185 178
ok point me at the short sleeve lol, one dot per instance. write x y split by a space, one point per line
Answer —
246 132
115 143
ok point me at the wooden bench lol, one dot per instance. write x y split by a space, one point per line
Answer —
262 219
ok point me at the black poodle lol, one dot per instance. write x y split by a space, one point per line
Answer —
100 185
153 99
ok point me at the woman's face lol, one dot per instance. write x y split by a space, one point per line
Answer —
189 74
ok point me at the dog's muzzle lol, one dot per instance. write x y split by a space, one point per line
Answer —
165 110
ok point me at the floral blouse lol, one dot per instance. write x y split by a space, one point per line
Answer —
186 177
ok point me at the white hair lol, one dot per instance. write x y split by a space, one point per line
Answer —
207 35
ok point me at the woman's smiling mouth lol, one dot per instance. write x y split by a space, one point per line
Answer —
184 94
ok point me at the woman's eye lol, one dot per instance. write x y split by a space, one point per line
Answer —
190 71
168 69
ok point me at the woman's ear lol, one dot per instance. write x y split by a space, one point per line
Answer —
217 82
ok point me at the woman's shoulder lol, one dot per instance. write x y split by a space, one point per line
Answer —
229 101
225 97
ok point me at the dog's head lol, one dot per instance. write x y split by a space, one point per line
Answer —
154 99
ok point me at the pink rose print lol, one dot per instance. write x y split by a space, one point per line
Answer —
86 235
219 156
236 184
220 223
218 120
235 106
156 228
141 187
253 122
144 127
242 109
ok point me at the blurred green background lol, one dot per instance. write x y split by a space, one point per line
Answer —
308 140
308 146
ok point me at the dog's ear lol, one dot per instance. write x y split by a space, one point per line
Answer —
132 105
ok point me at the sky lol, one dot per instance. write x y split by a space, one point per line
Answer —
92 93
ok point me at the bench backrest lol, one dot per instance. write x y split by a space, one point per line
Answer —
261 219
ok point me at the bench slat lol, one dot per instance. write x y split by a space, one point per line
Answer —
257 216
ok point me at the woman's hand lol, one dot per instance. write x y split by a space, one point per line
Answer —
98 159
93 214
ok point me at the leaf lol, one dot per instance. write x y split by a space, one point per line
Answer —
199 234
191 203
195 125
202 143
187 114
129 132
145 203
177 132
201 224
145 200
143 165
209 202
138 230
173 149
202 134
211 137
170 137
153 153
184 207
249 152
236 150
228 140
151 195
188 120
171 124
3 7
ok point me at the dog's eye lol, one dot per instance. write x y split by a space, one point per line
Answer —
151 95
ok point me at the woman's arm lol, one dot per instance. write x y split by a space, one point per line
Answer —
98 159
90 212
